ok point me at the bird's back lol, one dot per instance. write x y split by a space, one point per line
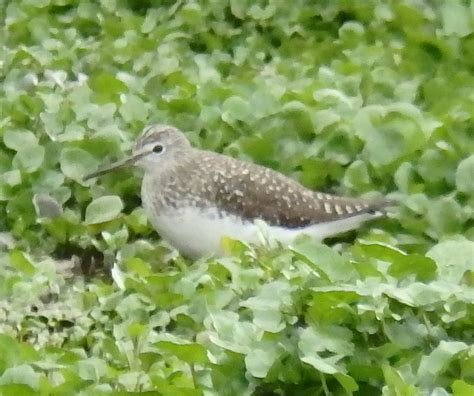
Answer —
248 191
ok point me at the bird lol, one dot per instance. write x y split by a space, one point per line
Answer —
193 197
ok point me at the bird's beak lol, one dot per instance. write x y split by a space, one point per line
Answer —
128 161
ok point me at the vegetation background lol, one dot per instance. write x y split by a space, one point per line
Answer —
345 96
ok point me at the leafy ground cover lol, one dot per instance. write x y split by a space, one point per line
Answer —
346 96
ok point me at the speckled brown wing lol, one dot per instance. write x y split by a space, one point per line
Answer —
255 192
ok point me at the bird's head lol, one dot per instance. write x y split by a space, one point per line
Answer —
156 146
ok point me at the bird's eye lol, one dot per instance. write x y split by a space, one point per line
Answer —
158 149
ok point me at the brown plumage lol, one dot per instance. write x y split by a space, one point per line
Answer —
251 192
194 197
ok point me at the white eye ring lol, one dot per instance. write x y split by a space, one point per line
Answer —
158 148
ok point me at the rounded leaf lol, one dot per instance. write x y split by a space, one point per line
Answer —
29 158
445 216
76 163
465 175
133 108
21 374
454 258
103 209
18 139
236 109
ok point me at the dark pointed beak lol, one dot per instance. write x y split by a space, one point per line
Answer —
128 161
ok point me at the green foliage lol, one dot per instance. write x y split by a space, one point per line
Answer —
349 96
267 320
103 209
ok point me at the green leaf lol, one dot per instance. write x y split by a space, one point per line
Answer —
316 342
405 335
405 178
29 158
401 264
190 353
464 178
10 351
231 334
434 166
439 359
76 163
445 216
106 87
136 329
347 382
454 258
91 369
133 108
357 176
11 178
150 21
236 109
456 19
331 306
461 388
103 209
52 125
17 389
396 384
21 262
267 304
19 139
260 360
392 132
22 374
334 339
323 258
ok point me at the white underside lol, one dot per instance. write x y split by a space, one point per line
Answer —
196 233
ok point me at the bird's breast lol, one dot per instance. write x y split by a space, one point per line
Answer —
196 232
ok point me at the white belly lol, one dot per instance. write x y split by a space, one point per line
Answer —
196 232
